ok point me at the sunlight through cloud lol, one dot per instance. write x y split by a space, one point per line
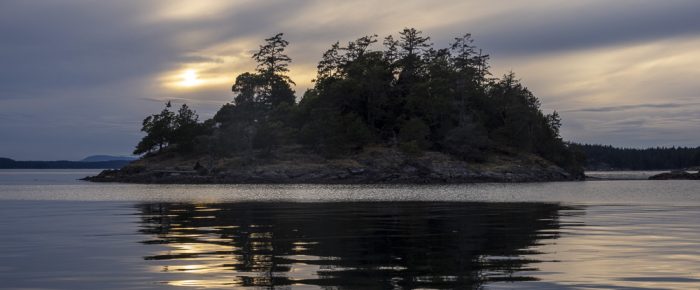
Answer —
190 78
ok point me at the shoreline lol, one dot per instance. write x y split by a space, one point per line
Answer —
378 166
152 179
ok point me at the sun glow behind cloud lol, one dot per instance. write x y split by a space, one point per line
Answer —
194 79
568 80
190 78
581 58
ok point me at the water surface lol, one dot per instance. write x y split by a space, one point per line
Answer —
60 233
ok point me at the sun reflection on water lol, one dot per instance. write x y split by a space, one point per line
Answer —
311 245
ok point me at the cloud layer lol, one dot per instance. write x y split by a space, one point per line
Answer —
78 76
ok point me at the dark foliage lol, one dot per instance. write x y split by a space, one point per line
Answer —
608 157
168 128
407 95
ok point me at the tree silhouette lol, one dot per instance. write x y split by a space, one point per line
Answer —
170 128
158 129
404 94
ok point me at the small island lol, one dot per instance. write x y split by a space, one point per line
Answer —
676 175
408 113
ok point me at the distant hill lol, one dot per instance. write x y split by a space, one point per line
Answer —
7 163
102 158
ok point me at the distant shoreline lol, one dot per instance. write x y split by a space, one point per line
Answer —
6 163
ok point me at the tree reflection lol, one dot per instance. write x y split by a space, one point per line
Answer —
352 245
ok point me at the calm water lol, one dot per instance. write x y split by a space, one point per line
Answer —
59 233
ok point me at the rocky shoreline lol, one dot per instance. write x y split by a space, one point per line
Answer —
676 175
371 167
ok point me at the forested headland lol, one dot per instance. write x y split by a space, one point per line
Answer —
398 97
605 157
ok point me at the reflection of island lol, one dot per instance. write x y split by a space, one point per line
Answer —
358 245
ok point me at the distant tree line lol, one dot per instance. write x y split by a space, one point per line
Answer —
608 157
407 95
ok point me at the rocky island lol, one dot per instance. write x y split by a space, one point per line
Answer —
408 113
373 165
676 175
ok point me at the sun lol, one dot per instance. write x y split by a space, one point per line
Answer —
190 78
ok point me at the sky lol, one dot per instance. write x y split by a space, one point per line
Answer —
77 77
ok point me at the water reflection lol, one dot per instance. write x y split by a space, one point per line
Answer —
352 245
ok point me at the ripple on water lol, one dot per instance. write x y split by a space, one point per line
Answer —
570 235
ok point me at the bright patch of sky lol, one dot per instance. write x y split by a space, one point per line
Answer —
79 76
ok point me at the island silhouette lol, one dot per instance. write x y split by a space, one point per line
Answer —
406 113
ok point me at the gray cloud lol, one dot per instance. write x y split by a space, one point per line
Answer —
199 59
669 126
78 76
634 107
578 27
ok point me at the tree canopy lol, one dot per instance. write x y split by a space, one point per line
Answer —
401 93
170 129
608 157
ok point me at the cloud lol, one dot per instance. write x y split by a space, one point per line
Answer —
79 75
585 25
199 59
634 107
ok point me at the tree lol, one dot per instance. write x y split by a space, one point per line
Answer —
412 45
467 61
468 141
334 135
356 49
262 91
185 129
259 98
514 113
554 123
696 158
406 94
331 63
608 157
158 129
391 53
170 129
271 58
413 136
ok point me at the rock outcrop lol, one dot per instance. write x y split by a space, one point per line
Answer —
676 175
376 165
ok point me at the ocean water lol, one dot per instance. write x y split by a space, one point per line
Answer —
60 233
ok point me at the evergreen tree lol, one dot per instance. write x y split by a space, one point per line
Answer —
412 45
185 129
660 158
270 86
407 94
169 128
271 58
158 129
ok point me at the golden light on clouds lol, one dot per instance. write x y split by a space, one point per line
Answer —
610 76
180 10
190 78
209 75
195 79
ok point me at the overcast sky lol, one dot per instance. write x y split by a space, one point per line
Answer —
77 77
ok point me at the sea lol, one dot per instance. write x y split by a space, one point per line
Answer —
620 231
